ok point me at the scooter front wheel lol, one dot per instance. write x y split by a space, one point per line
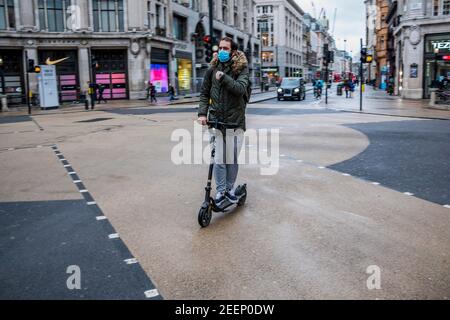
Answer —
204 216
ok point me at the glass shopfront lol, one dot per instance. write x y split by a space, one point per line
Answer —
66 71
112 73
11 76
437 60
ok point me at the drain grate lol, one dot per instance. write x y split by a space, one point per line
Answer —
94 120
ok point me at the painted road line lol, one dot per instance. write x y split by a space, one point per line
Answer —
84 191
77 181
113 236
131 261
67 165
321 167
91 203
376 183
62 160
346 175
101 218
408 193
151 293
447 206
72 173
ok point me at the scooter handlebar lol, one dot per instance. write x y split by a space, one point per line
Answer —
220 125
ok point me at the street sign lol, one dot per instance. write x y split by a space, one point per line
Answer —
48 89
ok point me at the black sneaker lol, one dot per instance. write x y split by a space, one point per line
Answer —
231 197
220 199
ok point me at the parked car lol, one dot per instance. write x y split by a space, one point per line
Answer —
292 88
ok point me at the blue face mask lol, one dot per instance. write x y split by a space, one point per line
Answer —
224 56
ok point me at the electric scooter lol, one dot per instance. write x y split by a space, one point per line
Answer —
209 205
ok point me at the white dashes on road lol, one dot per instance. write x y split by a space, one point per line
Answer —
99 218
408 193
151 293
84 191
91 203
131 261
113 236
77 181
447 206
376 183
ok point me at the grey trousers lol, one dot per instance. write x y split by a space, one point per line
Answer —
226 167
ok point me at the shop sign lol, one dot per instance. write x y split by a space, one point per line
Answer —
441 45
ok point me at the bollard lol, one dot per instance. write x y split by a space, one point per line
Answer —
4 103
433 97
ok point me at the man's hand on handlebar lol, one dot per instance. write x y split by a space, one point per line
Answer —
203 121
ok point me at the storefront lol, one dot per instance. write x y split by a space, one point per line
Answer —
184 72
12 79
66 62
437 60
159 69
270 74
112 72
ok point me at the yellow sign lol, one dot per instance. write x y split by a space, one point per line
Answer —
363 88
50 62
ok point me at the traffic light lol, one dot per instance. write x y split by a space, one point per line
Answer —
369 58
30 66
365 56
33 68
207 41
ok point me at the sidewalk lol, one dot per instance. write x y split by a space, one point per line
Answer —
257 96
380 103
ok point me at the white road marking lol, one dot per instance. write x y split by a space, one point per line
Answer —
346 175
113 236
447 206
72 173
376 183
84 191
91 203
131 261
62 160
151 293
67 165
101 218
77 181
321 167
408 193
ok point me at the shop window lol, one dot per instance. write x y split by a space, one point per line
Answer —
108 16
7 16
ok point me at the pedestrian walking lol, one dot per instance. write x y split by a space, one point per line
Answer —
152 89
101 90
224 96
171 92
347 88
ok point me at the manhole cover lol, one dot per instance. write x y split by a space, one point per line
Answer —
94 120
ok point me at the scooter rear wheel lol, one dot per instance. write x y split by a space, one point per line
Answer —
204 216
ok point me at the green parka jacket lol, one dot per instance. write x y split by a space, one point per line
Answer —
224 99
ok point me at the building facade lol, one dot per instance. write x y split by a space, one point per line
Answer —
381 56
122 44
280 28
422 45
371 37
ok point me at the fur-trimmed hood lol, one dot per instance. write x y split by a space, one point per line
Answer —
239 61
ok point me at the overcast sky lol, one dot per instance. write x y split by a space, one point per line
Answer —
350 19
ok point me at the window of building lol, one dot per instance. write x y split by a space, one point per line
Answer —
446 8
52 14
149 15
436 7
179 27
108 15
7 16
267 56
225 11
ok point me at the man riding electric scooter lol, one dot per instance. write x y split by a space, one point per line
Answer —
224 96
